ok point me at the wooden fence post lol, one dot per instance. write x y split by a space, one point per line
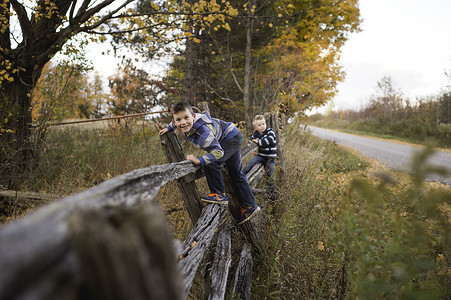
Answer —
203 106
186 185
273 122
243 276
124 254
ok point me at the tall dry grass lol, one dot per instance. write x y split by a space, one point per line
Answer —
78 156
335 232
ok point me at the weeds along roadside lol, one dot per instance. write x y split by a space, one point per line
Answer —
336 230
298 264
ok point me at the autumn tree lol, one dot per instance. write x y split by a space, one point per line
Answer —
387 102
61 92
277 54
32 32
41 30
213 65
300 66
98 97
132 91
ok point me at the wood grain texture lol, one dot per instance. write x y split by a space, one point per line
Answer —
38 243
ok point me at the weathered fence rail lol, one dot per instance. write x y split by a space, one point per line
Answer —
38 245
112 242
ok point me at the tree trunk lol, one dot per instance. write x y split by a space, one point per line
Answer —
247 69
16 147
191 55
125 254
42 35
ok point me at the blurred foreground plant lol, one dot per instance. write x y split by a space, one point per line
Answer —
396 245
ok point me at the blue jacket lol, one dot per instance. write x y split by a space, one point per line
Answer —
206 133
267 146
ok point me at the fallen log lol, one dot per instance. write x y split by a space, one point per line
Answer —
28 195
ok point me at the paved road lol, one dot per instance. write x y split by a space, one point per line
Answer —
392 154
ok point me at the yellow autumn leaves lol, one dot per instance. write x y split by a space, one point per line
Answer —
175 21
7 70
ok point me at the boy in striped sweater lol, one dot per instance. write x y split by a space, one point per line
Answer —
222 141
265 138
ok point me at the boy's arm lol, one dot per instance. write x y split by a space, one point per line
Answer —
171 127
193 159
163 131
254 138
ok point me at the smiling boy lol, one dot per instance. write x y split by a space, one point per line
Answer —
222 141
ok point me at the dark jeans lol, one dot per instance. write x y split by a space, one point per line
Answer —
232 162
268 164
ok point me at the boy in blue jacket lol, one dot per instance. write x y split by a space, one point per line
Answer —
265 138
222 141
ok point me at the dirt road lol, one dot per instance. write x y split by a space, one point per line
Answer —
392 154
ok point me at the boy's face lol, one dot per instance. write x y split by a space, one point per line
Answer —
260 126
184 120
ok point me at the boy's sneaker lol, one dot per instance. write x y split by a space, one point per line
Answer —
248 213
222 199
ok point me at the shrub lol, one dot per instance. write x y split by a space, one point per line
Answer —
394 244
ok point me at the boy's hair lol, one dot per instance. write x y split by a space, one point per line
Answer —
181 106
258 118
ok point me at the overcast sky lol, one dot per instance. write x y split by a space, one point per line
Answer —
408 40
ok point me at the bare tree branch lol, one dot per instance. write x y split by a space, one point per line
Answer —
24 22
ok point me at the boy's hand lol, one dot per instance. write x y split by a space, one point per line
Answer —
255 141
163 131
193 159
254 153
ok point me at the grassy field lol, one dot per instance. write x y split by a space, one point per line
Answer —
343 227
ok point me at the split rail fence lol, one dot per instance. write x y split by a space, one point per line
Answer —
112 241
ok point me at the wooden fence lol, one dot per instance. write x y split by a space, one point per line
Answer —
112 241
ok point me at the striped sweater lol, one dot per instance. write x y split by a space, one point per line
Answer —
206 133
267 146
